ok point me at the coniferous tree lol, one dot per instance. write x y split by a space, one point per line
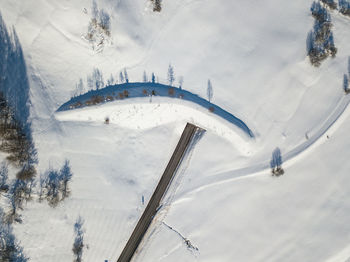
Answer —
65 176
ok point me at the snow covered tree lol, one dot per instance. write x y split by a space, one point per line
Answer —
94 10
145 77
319 12
65 176
209 91
153 78
344 7
78 244
157 5
105 21
126 76
320 41
276 163
330 3
3 177
171 77
121 77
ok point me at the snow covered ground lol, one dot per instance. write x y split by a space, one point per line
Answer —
225 200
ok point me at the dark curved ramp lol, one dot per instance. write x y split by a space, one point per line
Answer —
134 90
153 204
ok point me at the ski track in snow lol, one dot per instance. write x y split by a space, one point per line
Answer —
340 112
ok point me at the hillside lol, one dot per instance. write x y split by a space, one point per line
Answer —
224 199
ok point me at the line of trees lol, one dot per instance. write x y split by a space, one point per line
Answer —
53 184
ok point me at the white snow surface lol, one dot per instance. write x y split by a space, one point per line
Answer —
224 199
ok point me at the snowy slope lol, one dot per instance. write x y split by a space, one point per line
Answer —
225 202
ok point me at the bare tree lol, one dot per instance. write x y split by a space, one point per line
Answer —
171 77
209 90
121 77
181 81
78 244
110 81
145 77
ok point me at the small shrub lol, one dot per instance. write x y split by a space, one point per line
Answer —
126 93
211 109
97 99
109 98
121 95
145 92
171 91
77 104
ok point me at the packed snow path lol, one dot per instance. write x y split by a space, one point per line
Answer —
137 90
153 205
